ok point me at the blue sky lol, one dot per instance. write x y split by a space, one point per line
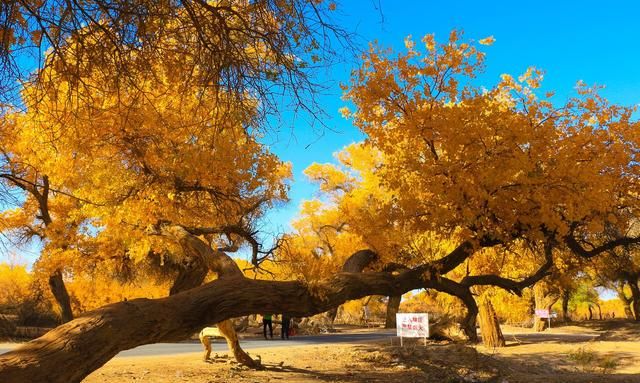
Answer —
597 42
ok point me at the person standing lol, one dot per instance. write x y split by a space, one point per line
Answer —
267 321
286 324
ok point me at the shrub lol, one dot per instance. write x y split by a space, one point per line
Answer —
591 361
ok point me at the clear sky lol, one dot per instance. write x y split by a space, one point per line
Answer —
597 42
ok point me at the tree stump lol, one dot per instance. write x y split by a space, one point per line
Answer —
489 326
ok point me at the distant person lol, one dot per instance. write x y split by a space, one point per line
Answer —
267 321
286 325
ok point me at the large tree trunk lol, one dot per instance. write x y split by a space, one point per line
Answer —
566 295
469 322
59 291
89 341
189 277
393 305
545 297
230 335
635 298
204 258
628 313
489 326
626 301
86 343
356 263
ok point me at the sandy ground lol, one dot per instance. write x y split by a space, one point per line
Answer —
590 352
527 358
610 352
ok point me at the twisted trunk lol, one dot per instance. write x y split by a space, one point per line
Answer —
189 277
356 263
56 283
635 298
628 313
61 296
626 301
203 258
468 323
92 339
566 295
88 342
392 309
545 297
489 326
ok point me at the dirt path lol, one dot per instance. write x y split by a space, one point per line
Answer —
577 353
569 354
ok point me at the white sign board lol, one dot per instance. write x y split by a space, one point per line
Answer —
543 313
412 325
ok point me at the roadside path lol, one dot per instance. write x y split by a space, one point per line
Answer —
220 345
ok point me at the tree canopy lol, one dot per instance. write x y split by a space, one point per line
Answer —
456 187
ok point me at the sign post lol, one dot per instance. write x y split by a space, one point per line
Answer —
412 325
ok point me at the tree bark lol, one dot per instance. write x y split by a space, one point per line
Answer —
89 341
590 312
468 323
628 313
59 291
545 296
566 295
56 283
626 301
393 305
202 259
189 277
230 335
489 326
356 263
635 298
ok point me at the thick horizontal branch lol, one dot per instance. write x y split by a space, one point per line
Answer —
575 246
511 285
94 338
238 230
460 254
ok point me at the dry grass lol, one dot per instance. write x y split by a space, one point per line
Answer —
530 357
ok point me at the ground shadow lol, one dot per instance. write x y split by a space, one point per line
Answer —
560 368
459 363
520 339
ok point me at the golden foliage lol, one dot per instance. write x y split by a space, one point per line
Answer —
15 284
498 162
119 161
90 291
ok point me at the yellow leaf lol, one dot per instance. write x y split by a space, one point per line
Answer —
487 40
